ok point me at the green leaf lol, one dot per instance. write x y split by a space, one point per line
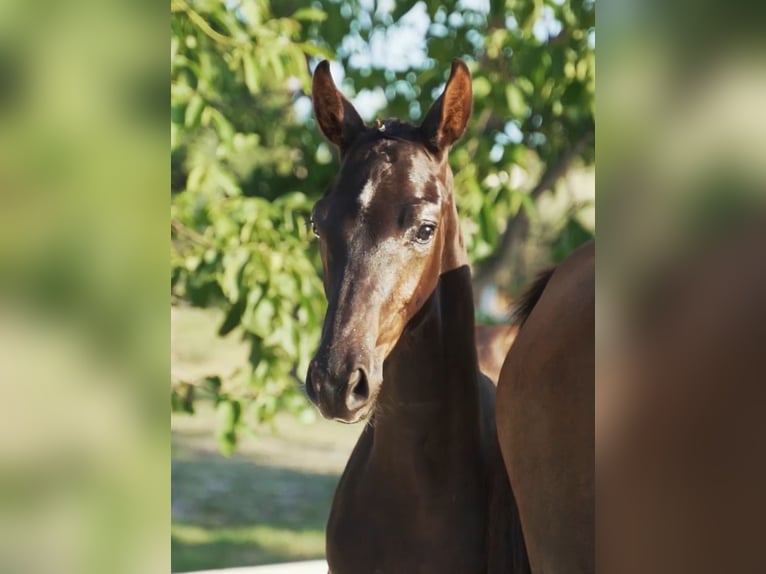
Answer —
225 130
234 264
515 102
310 14
481 87
251 72
193 111
233 316
213 384
263 316
176 401
228 414
182 398
489 228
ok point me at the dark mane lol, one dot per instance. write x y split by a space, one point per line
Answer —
390 129
395 127
531 296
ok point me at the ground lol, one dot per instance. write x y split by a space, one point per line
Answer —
269 501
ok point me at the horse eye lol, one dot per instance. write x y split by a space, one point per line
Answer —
314 229
425 233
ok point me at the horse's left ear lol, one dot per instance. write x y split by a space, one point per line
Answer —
447 119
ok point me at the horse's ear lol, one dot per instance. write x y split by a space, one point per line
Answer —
335 115
447 119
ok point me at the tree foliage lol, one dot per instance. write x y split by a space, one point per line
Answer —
248 162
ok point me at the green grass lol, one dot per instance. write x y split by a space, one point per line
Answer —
201 548
269 501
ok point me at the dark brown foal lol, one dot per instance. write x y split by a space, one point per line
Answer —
425 490
545 417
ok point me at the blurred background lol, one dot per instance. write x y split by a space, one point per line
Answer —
85 329
681 278
253 470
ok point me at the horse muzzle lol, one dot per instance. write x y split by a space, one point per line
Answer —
345 396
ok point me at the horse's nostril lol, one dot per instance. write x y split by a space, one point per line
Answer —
358 390
312 386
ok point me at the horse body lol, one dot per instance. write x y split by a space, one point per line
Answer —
425 490
545 418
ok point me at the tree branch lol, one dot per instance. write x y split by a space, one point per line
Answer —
190 234
518 226
202 24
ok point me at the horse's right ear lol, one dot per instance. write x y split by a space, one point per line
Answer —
335 115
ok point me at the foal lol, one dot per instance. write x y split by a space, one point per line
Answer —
425 490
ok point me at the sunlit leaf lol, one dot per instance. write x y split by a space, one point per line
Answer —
310 14
252 72
193 111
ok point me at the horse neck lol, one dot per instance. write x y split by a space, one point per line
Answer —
431 378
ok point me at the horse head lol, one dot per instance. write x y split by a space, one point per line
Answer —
387 228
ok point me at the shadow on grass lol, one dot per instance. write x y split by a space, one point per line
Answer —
237 512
